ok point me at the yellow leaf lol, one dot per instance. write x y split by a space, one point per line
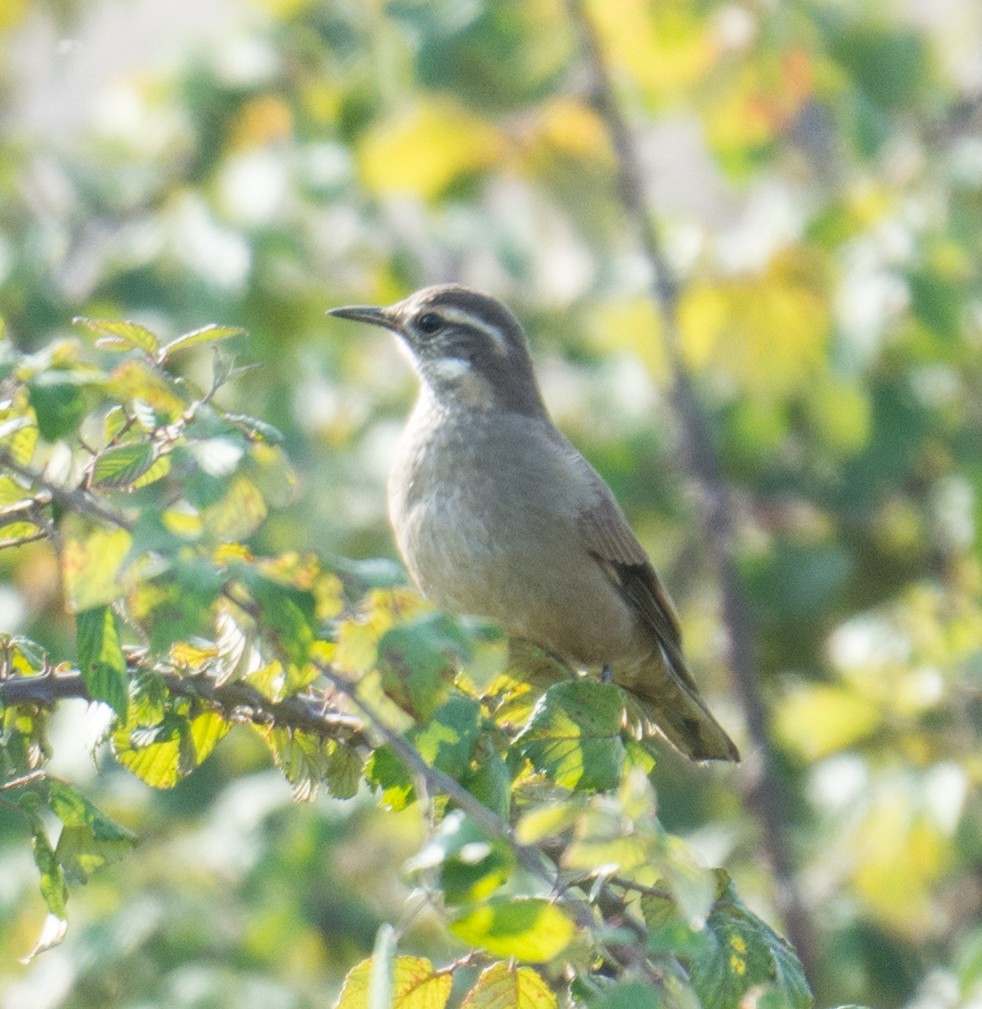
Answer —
529 929
503 986
415 985
163 765
821 719
663 46
427 149
900 854
769 332
262 120
90 562
182 520
136 380
633 326
238 514
570 126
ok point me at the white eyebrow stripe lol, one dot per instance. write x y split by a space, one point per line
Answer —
462 318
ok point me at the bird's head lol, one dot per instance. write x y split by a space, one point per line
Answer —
468 348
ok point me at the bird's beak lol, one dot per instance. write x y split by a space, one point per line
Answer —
367 313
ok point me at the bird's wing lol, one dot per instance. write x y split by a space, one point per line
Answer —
609 538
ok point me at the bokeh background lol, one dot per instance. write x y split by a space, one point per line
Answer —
815 168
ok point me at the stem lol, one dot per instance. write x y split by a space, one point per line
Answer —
766 794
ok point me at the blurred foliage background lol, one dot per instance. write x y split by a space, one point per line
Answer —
816 170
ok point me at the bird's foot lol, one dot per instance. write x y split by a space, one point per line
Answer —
607 675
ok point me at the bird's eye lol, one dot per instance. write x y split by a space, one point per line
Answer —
429 323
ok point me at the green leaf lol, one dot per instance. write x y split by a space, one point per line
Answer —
743 952
119 335
288 618
89 839
505 986
100 657
255 429
176 746
471 864
385 770
59 406
573 735
447 739
239 513
343 771
416 661
415 985
124 465
18 429
303 758
207 334
54 888
90 561
529 929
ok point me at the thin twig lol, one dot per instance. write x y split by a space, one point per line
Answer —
76 500
767 795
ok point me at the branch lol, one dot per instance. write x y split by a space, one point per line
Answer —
236 701
76 500
766 794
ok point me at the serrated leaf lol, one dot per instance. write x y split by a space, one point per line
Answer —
163 763
529 929
159 469
206 334
136 381
123 465
415 985
573 735
90 561
301 756
120 335
504 986
343 771
447 739
100 657
288 618
743 952
89 839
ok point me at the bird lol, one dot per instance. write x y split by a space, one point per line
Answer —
497 515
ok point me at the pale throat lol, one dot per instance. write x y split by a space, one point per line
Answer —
459 378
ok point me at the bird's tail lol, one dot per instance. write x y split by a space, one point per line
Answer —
668 702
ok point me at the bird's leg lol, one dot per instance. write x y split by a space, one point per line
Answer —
607 675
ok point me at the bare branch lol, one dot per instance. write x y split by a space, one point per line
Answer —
767 794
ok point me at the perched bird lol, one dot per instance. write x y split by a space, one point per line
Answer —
497 515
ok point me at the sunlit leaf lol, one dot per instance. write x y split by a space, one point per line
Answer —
100 657
818 719
124 465
119 335
137 382
90 562
742 952
574 737
184 746
504 986
426 149
415 985
238 514
207 334
529 929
